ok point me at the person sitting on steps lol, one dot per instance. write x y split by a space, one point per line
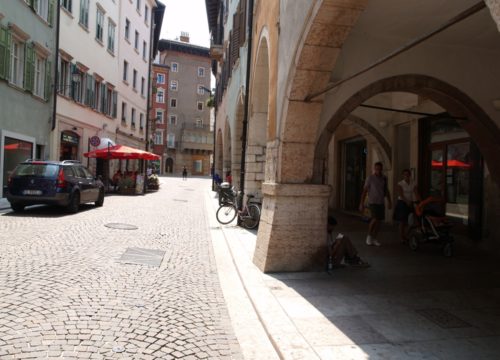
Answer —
340 249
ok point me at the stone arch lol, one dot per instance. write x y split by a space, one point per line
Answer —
259 128
475 121
219 153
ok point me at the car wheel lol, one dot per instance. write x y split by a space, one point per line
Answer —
100 200
17 207
74 203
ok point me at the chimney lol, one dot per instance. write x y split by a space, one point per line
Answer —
184 37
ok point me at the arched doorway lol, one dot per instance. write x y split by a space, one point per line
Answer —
169 165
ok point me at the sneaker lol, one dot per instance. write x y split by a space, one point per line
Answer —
376 243
369 240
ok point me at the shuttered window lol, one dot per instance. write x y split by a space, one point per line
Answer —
5 39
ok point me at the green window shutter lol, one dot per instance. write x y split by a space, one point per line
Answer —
115 104
29 66
4 52
48 79
103 99
92 97
52 7
34 4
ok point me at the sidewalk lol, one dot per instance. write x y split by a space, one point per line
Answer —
408 305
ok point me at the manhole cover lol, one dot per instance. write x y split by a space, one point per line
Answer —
443 318
121 226
180 200
118 349
140 256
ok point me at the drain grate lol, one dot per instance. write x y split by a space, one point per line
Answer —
443 318
138 256
120 226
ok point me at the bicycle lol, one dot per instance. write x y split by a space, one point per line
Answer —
249 216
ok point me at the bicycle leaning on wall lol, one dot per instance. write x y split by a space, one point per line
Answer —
249 216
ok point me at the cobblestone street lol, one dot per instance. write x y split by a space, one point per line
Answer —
65 293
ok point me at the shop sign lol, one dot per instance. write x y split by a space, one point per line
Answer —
68 138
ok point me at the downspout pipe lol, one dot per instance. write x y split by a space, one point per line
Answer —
56 66
247 93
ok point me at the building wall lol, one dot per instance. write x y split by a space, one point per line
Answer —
162 125
25 116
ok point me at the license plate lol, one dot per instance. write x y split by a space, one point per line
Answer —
32 192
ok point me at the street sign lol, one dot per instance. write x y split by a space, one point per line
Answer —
95 141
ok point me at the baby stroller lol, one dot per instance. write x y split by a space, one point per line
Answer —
429 224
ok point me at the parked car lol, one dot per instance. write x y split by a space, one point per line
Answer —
64 183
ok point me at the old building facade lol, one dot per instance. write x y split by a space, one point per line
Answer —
159 116
189 138
27 70
338 85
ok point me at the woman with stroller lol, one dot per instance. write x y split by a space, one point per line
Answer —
407 195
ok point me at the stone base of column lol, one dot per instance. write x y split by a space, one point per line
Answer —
292 230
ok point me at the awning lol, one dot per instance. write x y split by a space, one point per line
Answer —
121 152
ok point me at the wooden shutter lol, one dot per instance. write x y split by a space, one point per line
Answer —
115 104
4 52
235 41
103 98
243 21
29 66
48 79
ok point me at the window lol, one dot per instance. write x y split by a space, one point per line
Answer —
141 121
200 105
171 140
125 70
136 41
84 13
159 137
201 72
132 118
160 78
160 98
144 47
173 120
39 78
146 14
138 5
67 4
99 25
173 85
97 94
16 62
174 67
43 9
127 29
201 90
173 103
111 36
143 83
124 112
198 166
63 77
134 79
159 116
199 123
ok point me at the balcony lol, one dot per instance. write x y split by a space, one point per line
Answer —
216 51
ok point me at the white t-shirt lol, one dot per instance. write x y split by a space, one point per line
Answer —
408 190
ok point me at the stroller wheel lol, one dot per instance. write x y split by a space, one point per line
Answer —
448 249
414 240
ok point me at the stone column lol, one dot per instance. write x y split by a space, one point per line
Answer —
292 230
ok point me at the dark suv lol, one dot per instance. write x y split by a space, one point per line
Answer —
65 183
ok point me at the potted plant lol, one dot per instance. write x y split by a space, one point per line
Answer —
153 182
126 186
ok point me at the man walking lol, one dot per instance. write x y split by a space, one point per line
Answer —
184 173
377 190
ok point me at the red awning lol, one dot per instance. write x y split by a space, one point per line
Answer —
121 152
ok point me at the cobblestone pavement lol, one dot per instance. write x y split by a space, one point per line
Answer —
65 294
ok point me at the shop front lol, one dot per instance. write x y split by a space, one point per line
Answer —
70 142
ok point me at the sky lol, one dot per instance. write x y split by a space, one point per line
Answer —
186 15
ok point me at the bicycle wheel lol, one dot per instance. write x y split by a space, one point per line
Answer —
251 220
226 214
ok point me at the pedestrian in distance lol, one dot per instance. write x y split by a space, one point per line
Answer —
407 196
184 173
341 251
377 191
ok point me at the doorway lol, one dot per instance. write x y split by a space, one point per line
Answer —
354 174
169 166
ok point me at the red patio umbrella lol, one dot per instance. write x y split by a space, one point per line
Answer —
121 152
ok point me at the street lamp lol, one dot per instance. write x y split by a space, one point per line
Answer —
213 152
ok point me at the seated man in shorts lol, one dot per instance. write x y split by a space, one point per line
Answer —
340 249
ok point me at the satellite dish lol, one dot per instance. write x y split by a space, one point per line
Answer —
105 142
